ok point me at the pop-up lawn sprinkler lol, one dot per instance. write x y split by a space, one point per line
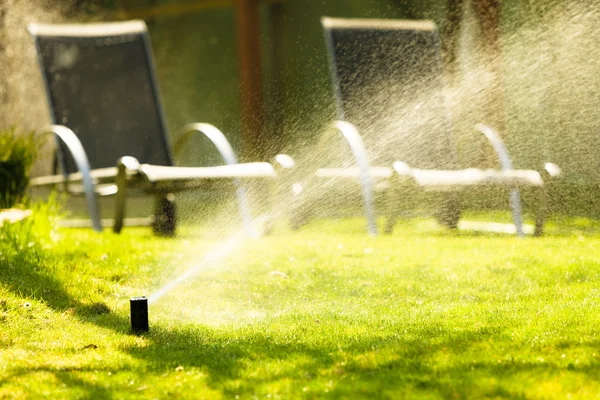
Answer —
139 314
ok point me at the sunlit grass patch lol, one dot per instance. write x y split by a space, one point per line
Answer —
322 312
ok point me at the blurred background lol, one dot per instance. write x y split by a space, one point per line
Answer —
258 70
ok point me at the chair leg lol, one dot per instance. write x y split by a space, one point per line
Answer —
391 206
123 165
449 211
542 211
119 209
402 196
299 216
390 222
549 173
165 220
121 197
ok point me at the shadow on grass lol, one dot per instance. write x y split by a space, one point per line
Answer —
410 364
228 356
27 275
68 377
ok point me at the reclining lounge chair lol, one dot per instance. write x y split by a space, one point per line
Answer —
108 120
388 81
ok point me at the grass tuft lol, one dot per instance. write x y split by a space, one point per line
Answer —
17 153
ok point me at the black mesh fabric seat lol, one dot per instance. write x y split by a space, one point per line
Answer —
388 78
101 85
388 81
106 110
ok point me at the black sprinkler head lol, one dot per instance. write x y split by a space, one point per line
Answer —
139 314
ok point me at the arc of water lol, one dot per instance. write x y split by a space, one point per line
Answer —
210 260
357 146
224 147
506 163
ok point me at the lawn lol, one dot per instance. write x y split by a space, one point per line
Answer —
325 312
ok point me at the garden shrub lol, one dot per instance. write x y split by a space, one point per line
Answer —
17 153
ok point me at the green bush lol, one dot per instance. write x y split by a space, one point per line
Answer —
32 235
17 152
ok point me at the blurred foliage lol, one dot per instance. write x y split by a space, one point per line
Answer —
75 8
17 153
27 239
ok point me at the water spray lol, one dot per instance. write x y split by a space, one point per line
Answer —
139 305
224 147
360 155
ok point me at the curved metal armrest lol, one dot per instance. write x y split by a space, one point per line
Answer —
552 170
213 134
224 147
506 164
68 137
498 145
359 152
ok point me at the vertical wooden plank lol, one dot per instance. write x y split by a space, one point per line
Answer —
276 100
488 14
451 36
249 71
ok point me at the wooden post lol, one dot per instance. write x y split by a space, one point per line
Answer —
276 100
488 13
249 72
451 36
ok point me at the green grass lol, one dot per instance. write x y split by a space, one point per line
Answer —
424 313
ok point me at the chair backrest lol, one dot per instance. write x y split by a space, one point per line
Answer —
101 83
388 81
